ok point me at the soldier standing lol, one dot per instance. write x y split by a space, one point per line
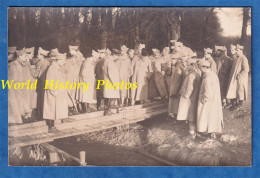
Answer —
124 67
223 70
159 74
238 81
189 96
209 113
72 68
55 105
87 76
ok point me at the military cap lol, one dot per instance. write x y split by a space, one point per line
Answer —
73 48
108 52
166 48
124 48
101 50
240 47
131 51
95 54
20 52
12 49
221 48
156 50
232 47
30 50
43 52
208 50
141 46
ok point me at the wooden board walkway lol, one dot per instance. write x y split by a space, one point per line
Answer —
37 132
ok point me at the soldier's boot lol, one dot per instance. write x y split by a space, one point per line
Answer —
84 107
79 107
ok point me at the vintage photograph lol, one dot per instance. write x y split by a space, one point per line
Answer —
129 86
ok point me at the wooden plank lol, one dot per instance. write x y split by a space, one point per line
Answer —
86 126
28 131
27 125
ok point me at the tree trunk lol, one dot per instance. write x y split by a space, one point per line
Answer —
244 26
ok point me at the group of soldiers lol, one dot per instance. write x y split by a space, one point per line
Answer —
196 89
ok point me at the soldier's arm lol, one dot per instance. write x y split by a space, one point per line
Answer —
245 68
189 87
51 75
208 88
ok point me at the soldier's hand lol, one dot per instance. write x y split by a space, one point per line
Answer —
163 72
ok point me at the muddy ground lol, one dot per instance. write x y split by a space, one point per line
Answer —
172 142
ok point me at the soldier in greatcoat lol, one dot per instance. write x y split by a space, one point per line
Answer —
141 70
159 74
87 76
209 113
111 76
72 68
238 81
153 92
189 93
20 72
34 75
14 115
176 81
224 64
42 66
124 68
166 67
55 105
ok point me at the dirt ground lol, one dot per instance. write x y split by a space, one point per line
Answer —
171 141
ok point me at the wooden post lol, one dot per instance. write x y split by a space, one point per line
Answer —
54 158
82 157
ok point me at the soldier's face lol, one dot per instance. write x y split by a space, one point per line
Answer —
218 52
207 55
239 52
73 52
131 55
233 51
102 55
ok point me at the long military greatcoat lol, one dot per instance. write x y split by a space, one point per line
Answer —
238 81
14 114
178 74
20 73
223 70
141 69
111 74
124 68
159 77
189 97
100 76
152 88
209 114
72 68
55 100
87 76
42 66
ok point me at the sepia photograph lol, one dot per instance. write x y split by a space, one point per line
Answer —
129 86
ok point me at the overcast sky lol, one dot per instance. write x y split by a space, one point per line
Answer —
231 21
